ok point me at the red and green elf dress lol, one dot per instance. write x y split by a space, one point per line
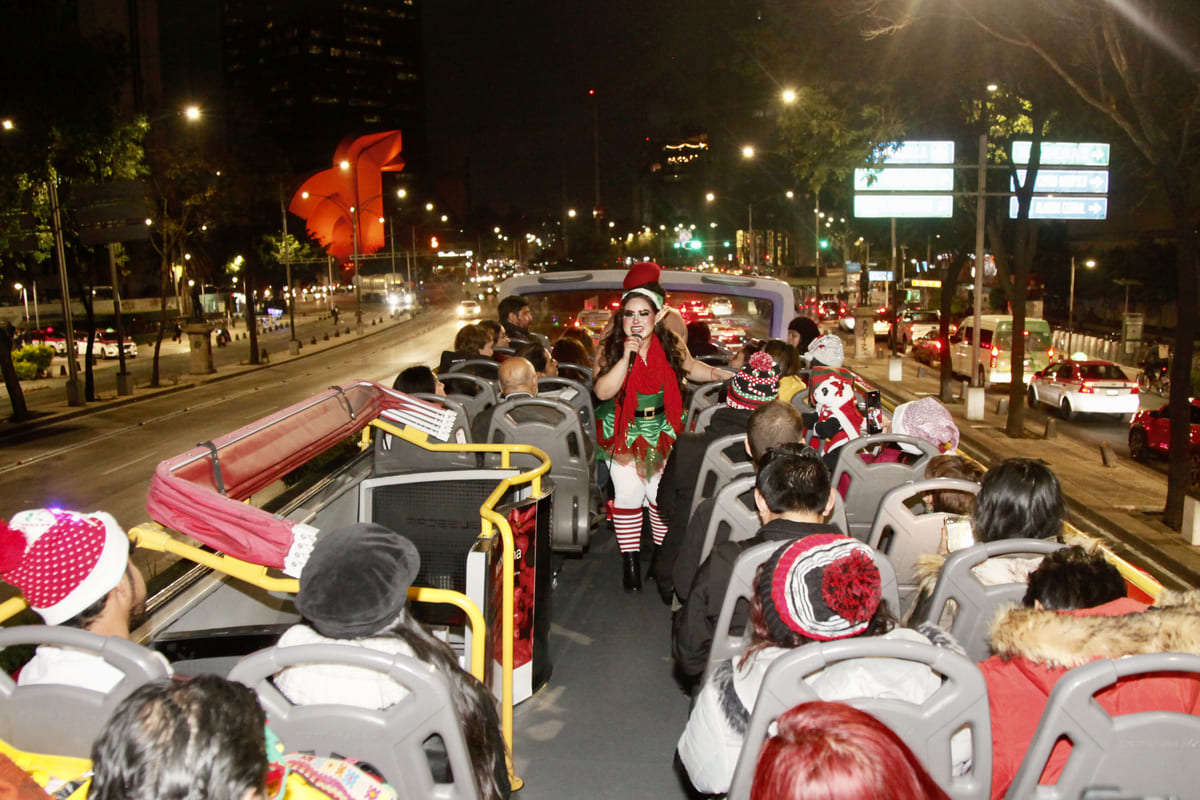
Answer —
650 413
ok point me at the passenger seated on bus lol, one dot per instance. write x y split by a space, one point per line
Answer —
201 739
833 751
925 419
537 354
569 351
517 379
801 333
1019 498
354 590
471 341
823 587
418 379
955 467
793 495
74 570
699 340
788 361
515 317
753 386
499 338
770 425
584 337
1075 611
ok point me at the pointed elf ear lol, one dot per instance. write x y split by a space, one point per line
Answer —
661 315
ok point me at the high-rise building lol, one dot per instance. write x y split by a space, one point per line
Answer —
135 24
320 70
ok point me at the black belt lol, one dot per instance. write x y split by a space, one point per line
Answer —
647 413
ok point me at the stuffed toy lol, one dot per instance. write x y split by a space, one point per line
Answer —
837 419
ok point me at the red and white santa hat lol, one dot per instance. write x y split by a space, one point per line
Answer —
62 561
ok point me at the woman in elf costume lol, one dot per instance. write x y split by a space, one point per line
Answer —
640 368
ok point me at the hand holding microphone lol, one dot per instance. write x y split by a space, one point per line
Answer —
636 341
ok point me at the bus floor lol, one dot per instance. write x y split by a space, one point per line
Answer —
606 723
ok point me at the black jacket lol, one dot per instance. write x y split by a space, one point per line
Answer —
693 625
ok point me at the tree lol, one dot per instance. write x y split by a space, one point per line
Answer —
1134 66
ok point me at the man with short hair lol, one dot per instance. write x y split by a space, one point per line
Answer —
515 318
517 378
794 495
74 570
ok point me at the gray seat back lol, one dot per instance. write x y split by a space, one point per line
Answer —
925 727
481 367
837 517
575 394
474 393
1141 753
703 396
801 404
731 637
389 739
904 535
734 515
576 372
700 424
976 604
868 483
57 719
719 466
554 427
394 455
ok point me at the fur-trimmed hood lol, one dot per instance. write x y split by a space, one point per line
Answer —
1121 628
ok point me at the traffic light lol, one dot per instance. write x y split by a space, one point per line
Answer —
433 242
824 244
694 244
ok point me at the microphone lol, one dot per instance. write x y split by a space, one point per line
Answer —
633 353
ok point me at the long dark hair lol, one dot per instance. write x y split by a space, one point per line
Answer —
472 701
613 345
1019 498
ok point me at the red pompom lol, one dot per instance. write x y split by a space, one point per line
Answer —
851 587
12 548
762 361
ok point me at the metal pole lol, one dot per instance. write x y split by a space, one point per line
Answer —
1071 301
750 234
980 212
123 387
287 263
329 278
37 319
412 256
357 282
596 156
25 300
817 239
74 398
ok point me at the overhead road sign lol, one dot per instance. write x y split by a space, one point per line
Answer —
1080 207
904 205
1064 154
1075 181
921 152
904 179
880 275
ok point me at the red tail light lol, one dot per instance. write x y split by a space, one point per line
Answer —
1087 388
995 355
1133 389
1050 354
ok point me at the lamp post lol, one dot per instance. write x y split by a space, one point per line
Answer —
1071 302
24 299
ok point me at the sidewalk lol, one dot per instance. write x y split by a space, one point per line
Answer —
1122 502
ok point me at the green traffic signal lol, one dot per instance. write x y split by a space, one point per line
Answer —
824 244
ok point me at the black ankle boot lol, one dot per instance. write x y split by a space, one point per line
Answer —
632 571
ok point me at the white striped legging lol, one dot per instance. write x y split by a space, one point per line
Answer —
630 493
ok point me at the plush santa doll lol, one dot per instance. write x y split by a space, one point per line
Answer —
837 418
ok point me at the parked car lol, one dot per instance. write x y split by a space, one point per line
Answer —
51 337
995 348
1150 433
105 345
1090 387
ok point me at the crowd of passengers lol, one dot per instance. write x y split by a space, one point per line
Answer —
818 585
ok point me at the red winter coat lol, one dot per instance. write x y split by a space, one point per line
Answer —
1035 648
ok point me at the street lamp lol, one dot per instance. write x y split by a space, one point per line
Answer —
1071 302
24 299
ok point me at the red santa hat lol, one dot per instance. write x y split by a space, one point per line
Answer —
641 274
62 561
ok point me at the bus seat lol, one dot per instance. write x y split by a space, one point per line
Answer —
975 604
734 515
554 427
486 368
1142 754
926 727
837 517
904 535
725 458
576 372
700 423
389 739
703 396
476 394
801 404
62 720
731 636
576 394
867 483
394 455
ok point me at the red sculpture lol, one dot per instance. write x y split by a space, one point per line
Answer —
325 201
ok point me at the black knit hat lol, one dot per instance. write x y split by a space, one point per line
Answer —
754 384
356 580
824 587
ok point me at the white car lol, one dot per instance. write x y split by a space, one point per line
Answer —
1096 387
105 346
469 309
721 306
